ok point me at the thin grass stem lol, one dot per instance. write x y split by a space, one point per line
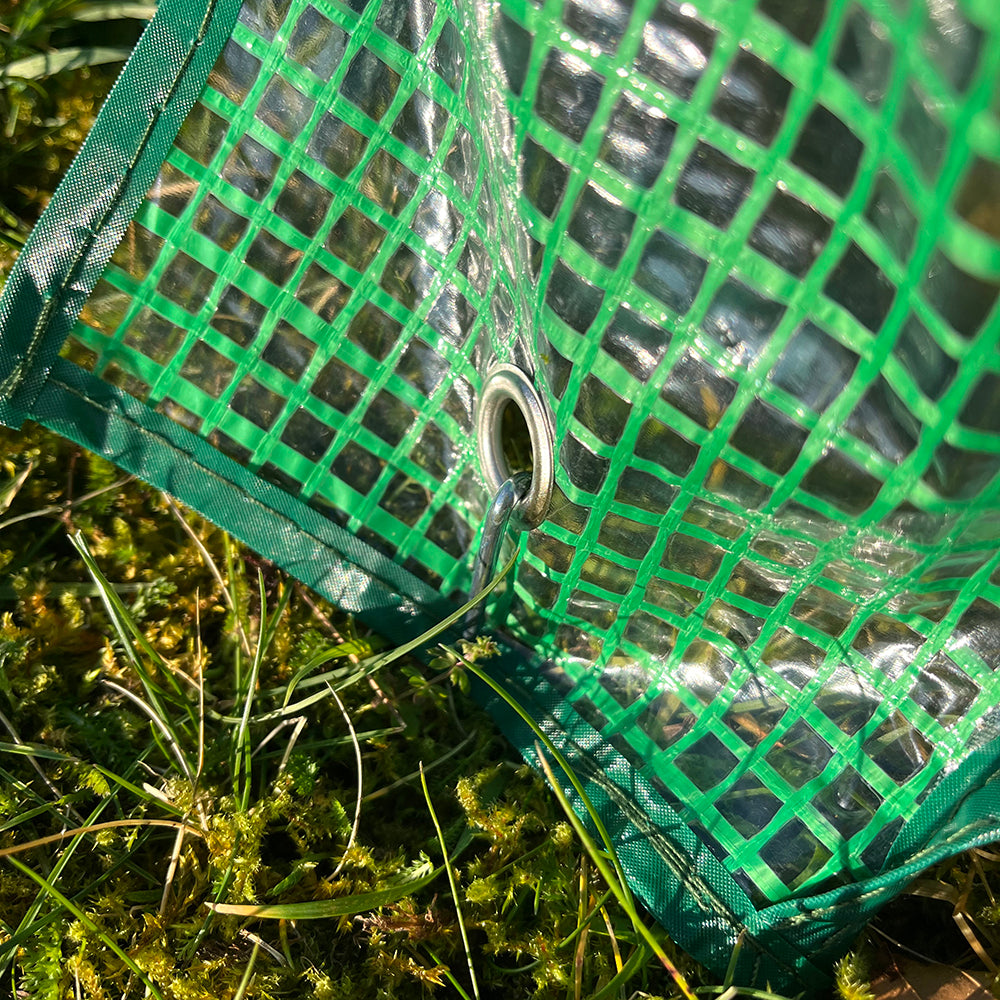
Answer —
300 725
602 831
34 763
451 882
407 778
609 874
242 763
581 945
129 632
88 923
241 990
31 924
62 508
587 920
367 667
157 721
614 940
281 959
447 973
640 955
30 920
361 778
168 881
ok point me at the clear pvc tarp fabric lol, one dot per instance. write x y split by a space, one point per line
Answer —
748 253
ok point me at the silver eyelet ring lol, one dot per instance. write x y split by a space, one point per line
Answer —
505 385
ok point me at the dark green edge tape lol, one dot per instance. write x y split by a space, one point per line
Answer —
85 221
945 803
788 945
108 421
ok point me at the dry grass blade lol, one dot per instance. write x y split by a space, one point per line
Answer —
157 721
60 509
13 487
959 899
595 910
213 569
965 926
934 889
168 881
94 828
874 928
259 942
581 944
743 992
294 724
299 724
361 780
964 920
614 940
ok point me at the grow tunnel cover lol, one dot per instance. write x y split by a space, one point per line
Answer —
746 255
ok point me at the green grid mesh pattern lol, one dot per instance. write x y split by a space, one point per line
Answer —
751 251
313 232
765 322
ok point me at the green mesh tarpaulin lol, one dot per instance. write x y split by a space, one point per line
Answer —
746 254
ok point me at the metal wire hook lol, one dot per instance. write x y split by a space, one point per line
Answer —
507 500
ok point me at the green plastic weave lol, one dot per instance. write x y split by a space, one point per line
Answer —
751 253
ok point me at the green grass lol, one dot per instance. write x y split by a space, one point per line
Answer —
213 784
181 798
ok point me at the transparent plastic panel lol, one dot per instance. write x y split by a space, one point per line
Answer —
754 271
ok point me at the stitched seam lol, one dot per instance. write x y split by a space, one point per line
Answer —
15 379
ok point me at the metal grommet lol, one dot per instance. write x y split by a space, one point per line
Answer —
503 386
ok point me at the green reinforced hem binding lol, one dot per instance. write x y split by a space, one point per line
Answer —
86 219
108 421
789 944
946 803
